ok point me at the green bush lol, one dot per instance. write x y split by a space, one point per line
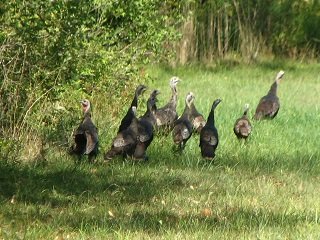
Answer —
56 52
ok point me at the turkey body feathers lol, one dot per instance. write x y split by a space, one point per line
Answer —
125 141
209 141
209 138
144 139
145 128
167 115
197 119
269 105
86 136
134 141
182 130
242 127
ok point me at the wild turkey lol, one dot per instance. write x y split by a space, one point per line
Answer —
197 119
167 114
269 105
86 135
150 113
182 130
134 141
126 121
145 128
242 127
125 142
209 138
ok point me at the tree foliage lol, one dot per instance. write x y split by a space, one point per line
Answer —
286 28
60 50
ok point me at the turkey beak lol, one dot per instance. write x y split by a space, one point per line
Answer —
280 74
83 103
144 89
156 92
176 81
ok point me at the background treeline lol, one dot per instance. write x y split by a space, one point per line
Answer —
249 28
52 53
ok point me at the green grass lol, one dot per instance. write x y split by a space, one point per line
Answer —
267 188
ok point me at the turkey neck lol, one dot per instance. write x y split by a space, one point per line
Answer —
210 119
188 108
86 115
273 89
150 109
134 102
245 112
186 111
211 114
193 109
173 100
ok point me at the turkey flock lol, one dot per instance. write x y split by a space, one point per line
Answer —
135 134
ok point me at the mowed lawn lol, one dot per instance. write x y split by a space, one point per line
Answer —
266 188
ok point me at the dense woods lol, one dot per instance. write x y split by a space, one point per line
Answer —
214 29
52 53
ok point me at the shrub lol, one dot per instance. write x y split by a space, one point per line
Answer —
56 52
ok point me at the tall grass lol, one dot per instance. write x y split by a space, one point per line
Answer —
266 188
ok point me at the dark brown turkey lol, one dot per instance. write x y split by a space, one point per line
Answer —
126 121
150 114
182 129
134 141
166 115
145 128
269 105
209 138
242 127
197 118
125 142
86 135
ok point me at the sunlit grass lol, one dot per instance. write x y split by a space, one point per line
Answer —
266 188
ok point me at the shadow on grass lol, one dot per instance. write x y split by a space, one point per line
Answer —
236 219
157 221
58 187
69 186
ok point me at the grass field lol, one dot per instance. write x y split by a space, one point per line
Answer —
267 188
